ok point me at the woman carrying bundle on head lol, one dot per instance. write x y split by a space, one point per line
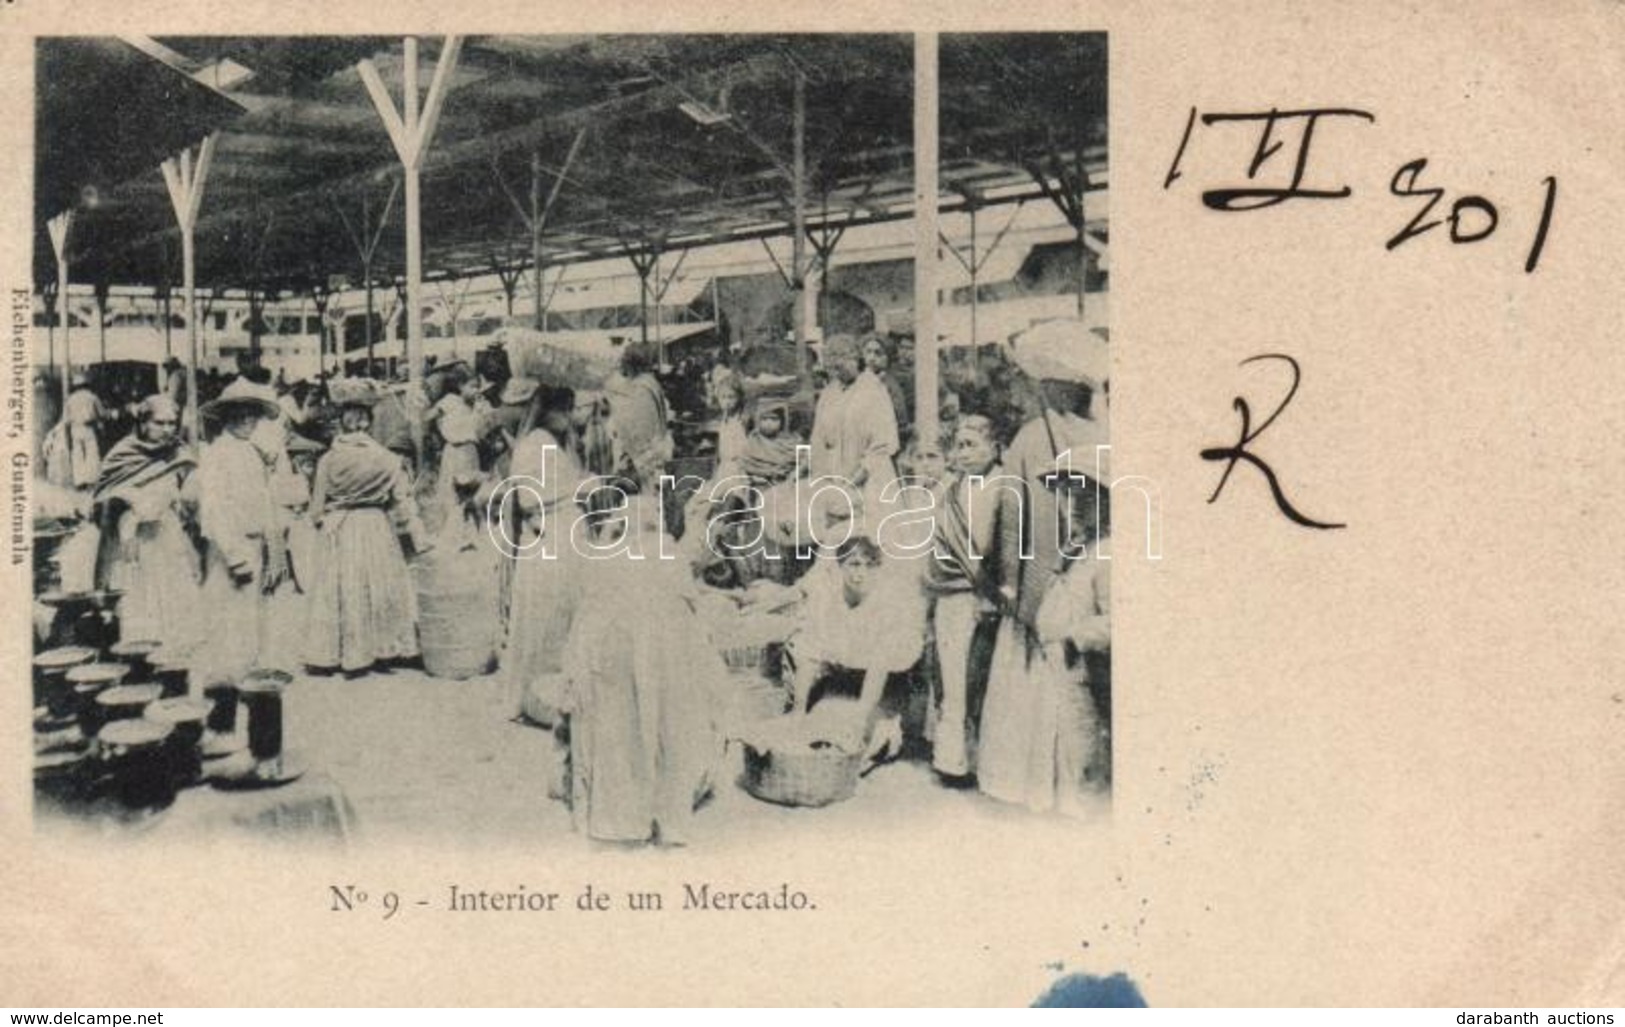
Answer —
363 608
538 514
639 418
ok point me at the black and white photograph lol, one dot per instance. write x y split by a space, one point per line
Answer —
559 506
575 442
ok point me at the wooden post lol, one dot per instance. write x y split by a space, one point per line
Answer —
1081 179
169 345
798 254
186 183
925 236
411 133
366 248
48 296
59 228
101 290
534 223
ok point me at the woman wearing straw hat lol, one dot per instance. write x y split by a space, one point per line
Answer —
363 608
246 554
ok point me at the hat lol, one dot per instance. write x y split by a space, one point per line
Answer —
451 365
243 397
518 390
353 392
1062 350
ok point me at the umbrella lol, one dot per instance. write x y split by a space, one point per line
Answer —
1066 350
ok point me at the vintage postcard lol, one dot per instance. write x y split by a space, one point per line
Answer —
1103 503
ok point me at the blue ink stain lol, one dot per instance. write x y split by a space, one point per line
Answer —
1083 991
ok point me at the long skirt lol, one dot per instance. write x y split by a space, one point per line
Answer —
362 607
1038 726
644 747
545 597
641 759
160 586
288 609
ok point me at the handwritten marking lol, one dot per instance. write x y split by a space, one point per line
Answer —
1545 223
1173 169
1239 452
1257 198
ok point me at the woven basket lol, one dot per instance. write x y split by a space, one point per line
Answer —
813 776
759 660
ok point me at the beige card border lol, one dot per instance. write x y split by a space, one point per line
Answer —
1377 768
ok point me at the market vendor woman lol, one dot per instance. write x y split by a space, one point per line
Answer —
863 631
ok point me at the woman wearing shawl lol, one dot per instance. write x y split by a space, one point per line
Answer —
639 419
644 745
538 516
72 450
769 456
363 607
741 526
968 581
854 433
139 500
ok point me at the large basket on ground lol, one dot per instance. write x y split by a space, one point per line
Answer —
457 613
815 774
801 760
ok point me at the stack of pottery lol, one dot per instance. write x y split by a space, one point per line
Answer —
184 717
